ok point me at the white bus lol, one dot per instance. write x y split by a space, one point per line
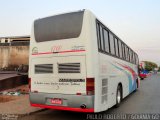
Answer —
78 64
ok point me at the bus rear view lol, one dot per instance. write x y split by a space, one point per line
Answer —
58 70
76 63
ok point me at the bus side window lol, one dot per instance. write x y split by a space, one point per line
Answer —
133 61
116 47
101 38
130 56
126 49
120 48
129 52
106 39
98 37
111 38
137 61
134 58
123 52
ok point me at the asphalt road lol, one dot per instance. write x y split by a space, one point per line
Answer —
145 100
5 76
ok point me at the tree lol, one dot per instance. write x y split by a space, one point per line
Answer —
150 65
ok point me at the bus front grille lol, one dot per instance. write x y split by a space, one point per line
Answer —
69 68
43 68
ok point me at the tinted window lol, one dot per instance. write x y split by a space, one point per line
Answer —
130 56
126 50
111 38
106 40
101 38
133 58
98 36
116 47
123 51
58 27
129 52
120 48
137 60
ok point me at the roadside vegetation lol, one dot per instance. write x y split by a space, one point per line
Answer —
150 66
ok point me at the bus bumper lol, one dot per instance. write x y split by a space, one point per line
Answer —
69 102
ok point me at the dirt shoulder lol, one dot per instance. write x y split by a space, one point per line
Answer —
18 103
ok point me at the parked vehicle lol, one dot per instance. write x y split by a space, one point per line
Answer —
22 70
143 74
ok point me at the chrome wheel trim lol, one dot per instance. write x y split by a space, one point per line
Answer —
118 96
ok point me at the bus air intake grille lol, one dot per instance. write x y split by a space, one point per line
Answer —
69 68
104 90
43 68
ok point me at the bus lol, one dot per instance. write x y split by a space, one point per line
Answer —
78 64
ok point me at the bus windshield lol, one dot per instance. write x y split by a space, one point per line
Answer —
58 27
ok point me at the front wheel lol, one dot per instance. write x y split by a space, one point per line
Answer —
118 96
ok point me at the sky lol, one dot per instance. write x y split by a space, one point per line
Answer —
136 22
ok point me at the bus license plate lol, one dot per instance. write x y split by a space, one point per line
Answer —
56 101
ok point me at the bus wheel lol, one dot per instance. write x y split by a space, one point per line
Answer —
136 85
118 96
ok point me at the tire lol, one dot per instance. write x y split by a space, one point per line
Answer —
136 85
118 96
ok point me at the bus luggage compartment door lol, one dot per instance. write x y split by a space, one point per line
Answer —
66 75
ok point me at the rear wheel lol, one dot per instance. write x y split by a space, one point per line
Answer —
118 96
136 85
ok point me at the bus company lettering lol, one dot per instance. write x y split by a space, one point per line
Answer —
78 47
56 48
71 80
50 83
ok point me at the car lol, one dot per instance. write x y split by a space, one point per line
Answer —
143 74
22 70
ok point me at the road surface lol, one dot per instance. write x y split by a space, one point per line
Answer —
145 100
6 76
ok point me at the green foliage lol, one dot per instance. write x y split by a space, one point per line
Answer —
150 65
159 69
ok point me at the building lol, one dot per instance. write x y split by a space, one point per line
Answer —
14 51
11 39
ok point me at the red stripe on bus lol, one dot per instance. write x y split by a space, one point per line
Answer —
42 53
89 110
71 51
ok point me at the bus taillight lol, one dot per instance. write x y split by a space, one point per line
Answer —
29 83
90 86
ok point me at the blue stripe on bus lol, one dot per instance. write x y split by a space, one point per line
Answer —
131 87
